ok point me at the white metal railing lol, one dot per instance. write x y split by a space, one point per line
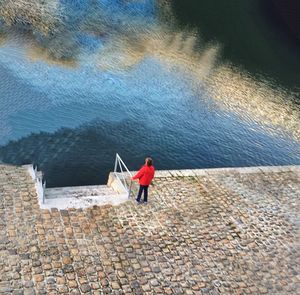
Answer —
44 188
123 176
40 182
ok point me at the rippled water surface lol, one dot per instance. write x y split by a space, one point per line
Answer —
82 80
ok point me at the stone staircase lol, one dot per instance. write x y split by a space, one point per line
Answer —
112 193
78 191
82 197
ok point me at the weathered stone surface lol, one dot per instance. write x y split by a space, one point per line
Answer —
229 231
85 288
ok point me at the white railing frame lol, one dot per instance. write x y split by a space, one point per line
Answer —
119 163
40 182
44 188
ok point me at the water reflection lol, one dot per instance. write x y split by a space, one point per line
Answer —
116 35
255 99
63 29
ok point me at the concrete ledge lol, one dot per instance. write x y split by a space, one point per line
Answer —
115 184
37 182
163 173
240 170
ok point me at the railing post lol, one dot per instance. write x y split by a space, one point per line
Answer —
43 190
129 192
123 177
116 162
35 172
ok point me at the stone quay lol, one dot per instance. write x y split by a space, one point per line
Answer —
213 231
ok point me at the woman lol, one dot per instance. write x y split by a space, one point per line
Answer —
145 176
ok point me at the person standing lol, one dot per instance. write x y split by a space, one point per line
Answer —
145 176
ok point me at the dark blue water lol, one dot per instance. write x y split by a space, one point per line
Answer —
71 120
259 35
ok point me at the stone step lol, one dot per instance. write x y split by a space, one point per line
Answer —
79 191
84 202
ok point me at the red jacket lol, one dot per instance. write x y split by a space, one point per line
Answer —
145 175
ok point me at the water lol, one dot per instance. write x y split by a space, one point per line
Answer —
252 34
135 83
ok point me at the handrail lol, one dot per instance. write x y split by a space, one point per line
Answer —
44 188
40 182
119 163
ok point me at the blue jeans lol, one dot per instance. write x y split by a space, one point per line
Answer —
143 188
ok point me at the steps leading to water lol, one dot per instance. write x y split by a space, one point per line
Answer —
85 196
82 196
78 196
78 191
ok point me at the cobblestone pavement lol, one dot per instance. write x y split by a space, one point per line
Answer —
227 233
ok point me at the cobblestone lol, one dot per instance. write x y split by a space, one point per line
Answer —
226 232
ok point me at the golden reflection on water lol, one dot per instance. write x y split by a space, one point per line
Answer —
172 49
36 53
233 89
40 14
2 38
254 99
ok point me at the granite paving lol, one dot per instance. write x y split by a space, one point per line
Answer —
200 233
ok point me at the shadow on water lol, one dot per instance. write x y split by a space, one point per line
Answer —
85 155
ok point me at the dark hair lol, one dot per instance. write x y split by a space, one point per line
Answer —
149 161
